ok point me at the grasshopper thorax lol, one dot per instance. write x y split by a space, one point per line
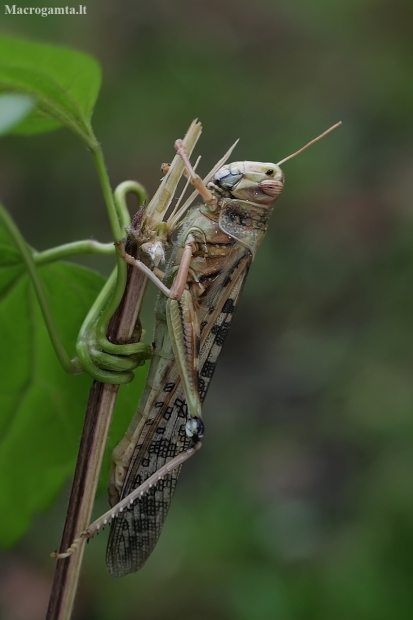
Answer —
260 183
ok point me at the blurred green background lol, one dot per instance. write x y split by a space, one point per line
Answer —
300 504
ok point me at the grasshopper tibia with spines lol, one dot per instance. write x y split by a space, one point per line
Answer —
136 494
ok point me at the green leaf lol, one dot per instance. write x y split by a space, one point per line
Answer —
41 407
64 83
13 109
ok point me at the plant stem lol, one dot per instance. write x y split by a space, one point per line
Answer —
115 218
96 427
128 187
125 304
88 246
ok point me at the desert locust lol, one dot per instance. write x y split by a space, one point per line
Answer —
209 247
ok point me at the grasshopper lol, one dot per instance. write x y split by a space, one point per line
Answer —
213 245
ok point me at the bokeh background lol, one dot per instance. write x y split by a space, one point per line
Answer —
300 504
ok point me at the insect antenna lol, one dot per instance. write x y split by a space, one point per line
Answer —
310 143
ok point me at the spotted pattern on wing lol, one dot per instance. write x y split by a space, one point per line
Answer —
134 532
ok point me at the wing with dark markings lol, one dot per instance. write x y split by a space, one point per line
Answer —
135 531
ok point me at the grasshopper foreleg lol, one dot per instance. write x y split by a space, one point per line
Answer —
178 287
140 265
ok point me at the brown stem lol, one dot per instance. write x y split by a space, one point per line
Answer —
102 398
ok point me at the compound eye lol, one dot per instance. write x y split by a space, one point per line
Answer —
270 172
221 174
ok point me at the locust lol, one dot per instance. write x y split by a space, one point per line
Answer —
212 244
